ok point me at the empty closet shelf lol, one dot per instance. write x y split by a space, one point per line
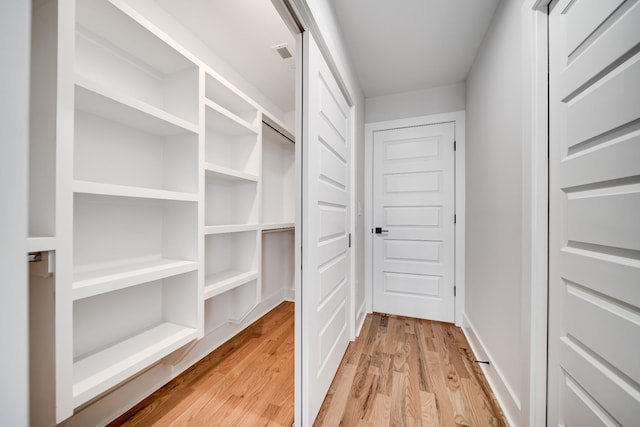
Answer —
39 244
101 280
222 120
280 226
100 100
227 173
100 371
233 228
228 98
88 187
224 281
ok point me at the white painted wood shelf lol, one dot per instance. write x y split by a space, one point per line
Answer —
102 101
40 244
89 283
226 280
226 122
283 226
229 173
230 262
97 373
227 98
224 229
87 187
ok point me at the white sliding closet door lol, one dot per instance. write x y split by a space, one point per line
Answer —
325 231
594 263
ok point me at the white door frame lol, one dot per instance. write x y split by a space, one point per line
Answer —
535 202
458 118
354 327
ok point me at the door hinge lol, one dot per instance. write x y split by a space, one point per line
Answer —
454 291
455 218
454 145
349 239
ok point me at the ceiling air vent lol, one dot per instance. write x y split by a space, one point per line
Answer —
283 51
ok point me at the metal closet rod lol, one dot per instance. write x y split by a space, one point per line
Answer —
278 130
278 230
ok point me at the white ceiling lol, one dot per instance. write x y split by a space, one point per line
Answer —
404 45
395 45
242 34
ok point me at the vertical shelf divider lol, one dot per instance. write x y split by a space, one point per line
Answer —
232 194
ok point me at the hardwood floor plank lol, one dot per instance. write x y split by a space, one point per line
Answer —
379 416
331 414
386 374
416 378
352 354
248 380
398 400
451 340
440 390
461 412
480 408
362 396
429 409
409 372
426 381
399 372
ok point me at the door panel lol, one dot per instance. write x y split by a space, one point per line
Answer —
325 231
613 43
414 201
412 284
594 263
585 16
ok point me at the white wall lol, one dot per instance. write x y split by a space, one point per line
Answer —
425 102
494 293
15 24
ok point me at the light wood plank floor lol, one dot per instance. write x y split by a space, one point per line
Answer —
399 372
248 381
409 372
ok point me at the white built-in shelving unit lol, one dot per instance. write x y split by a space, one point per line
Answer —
232 203
135 287
155 181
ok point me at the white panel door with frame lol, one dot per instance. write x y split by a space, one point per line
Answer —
413 218
594 262
326 286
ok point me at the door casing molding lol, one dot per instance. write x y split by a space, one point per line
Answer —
458 118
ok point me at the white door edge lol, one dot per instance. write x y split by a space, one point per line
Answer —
535 196
457 117
354 329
